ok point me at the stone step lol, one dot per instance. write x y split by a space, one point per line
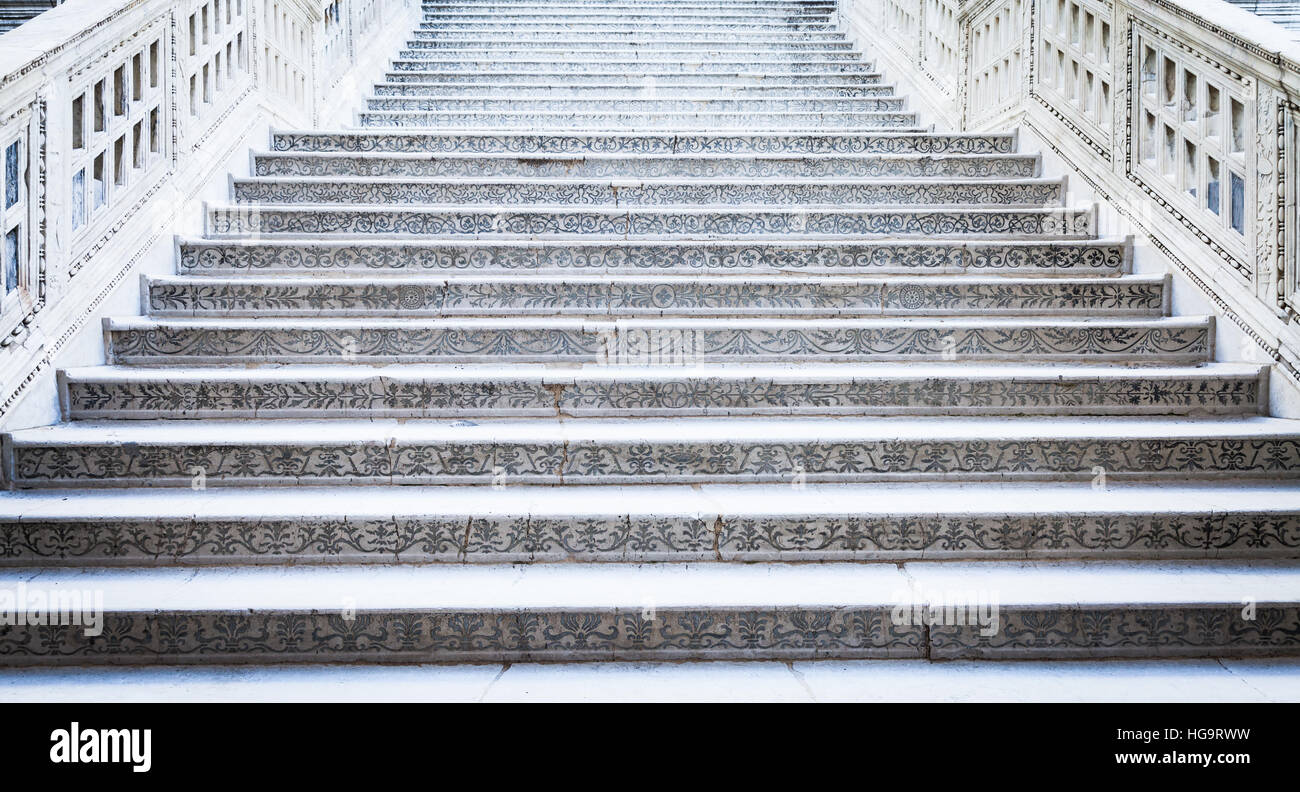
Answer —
580 10
533 294
667 24
546 36
635 192
491 80
643 143
664 22
785 18
587 612
634 47
821 68
533 222
644 120
825 7
413 391
796 4
506 26
649 341
631 90
684 57
638 104
630 166
580 451
895 522
335 257
565 11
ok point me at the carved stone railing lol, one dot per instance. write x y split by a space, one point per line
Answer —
1181 116
118 118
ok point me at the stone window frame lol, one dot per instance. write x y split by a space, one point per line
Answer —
1201 130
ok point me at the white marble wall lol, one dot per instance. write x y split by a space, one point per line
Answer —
1175 115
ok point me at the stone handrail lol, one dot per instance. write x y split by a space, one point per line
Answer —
118 118
1178 116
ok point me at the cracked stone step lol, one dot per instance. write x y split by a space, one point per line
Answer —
639 104
501 613
658 295
686 91
633 166
581 451
645 341
679 193
538 119
1055 223
664 143
895 522
413 391
211 257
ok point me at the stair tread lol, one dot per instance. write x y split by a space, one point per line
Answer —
634 156
685 323
727 208
795 372
707 500
650 181
581 241
1063 584
791 278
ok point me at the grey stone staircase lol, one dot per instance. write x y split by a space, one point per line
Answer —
596 286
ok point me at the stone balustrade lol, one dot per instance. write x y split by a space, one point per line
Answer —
118 118
1179 116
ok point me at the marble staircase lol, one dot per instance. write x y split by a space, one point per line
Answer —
592 287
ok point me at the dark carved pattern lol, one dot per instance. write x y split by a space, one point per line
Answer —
486 166
627 143
1085 256
818 297
521 539
593 343
631 633
681 395
468 636
646 221
577 193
